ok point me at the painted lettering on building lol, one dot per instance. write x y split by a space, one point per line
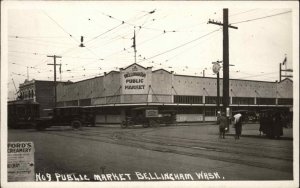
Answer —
134 80
131 74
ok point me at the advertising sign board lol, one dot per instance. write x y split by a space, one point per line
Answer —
20 161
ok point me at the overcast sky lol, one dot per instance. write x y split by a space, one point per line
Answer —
170 35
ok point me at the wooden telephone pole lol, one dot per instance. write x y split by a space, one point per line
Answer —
55 93
134 46
225 55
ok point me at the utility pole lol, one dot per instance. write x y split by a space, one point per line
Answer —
27 74
225 25
279 72
55 93
218 91
134 46
59 72
284 70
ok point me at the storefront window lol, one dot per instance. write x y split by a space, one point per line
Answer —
266 101
186 99
286 101
242 100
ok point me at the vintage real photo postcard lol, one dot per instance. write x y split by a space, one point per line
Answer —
149 93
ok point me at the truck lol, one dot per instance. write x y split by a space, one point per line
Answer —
149 117
74 116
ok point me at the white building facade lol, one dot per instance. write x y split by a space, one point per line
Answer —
194 98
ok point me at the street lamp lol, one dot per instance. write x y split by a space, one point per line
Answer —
81 42
216 69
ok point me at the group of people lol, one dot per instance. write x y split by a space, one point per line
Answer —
272 123
223 122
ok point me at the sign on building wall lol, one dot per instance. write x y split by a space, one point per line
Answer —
151 113
20 161
134 80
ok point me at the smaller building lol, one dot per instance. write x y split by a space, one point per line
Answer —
39 91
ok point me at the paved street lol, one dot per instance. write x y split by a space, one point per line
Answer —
187 149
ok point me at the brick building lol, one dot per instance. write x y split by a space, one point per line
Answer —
38 91
115 93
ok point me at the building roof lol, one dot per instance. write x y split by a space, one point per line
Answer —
163 70
28 82
114 71
229 79
136 65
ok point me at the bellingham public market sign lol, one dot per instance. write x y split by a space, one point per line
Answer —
134 80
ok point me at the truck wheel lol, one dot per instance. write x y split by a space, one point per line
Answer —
145 125
76 124
40 127
152 123
124 124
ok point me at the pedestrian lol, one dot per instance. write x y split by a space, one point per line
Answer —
278 127
270 124
222 121
238 125
262 124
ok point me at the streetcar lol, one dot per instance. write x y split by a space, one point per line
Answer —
22 113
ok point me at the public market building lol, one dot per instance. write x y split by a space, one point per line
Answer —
193 97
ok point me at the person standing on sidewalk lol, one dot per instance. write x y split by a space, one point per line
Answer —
238 125
222 121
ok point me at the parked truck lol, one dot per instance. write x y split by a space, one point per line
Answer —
149 117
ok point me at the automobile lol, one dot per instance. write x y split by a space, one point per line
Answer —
148 117
67 116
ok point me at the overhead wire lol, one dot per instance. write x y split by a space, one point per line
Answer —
176 47
138 26
122 23
69 34
167 51
38 40
258 75
168 59
191 41
239 13
254 19
103 33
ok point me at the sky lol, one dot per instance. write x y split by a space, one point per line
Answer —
174 36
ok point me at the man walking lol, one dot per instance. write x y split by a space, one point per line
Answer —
238 125
222 121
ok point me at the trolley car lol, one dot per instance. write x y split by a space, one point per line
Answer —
22 114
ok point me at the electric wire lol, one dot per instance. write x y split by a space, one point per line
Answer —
69 34
167 51
254 19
